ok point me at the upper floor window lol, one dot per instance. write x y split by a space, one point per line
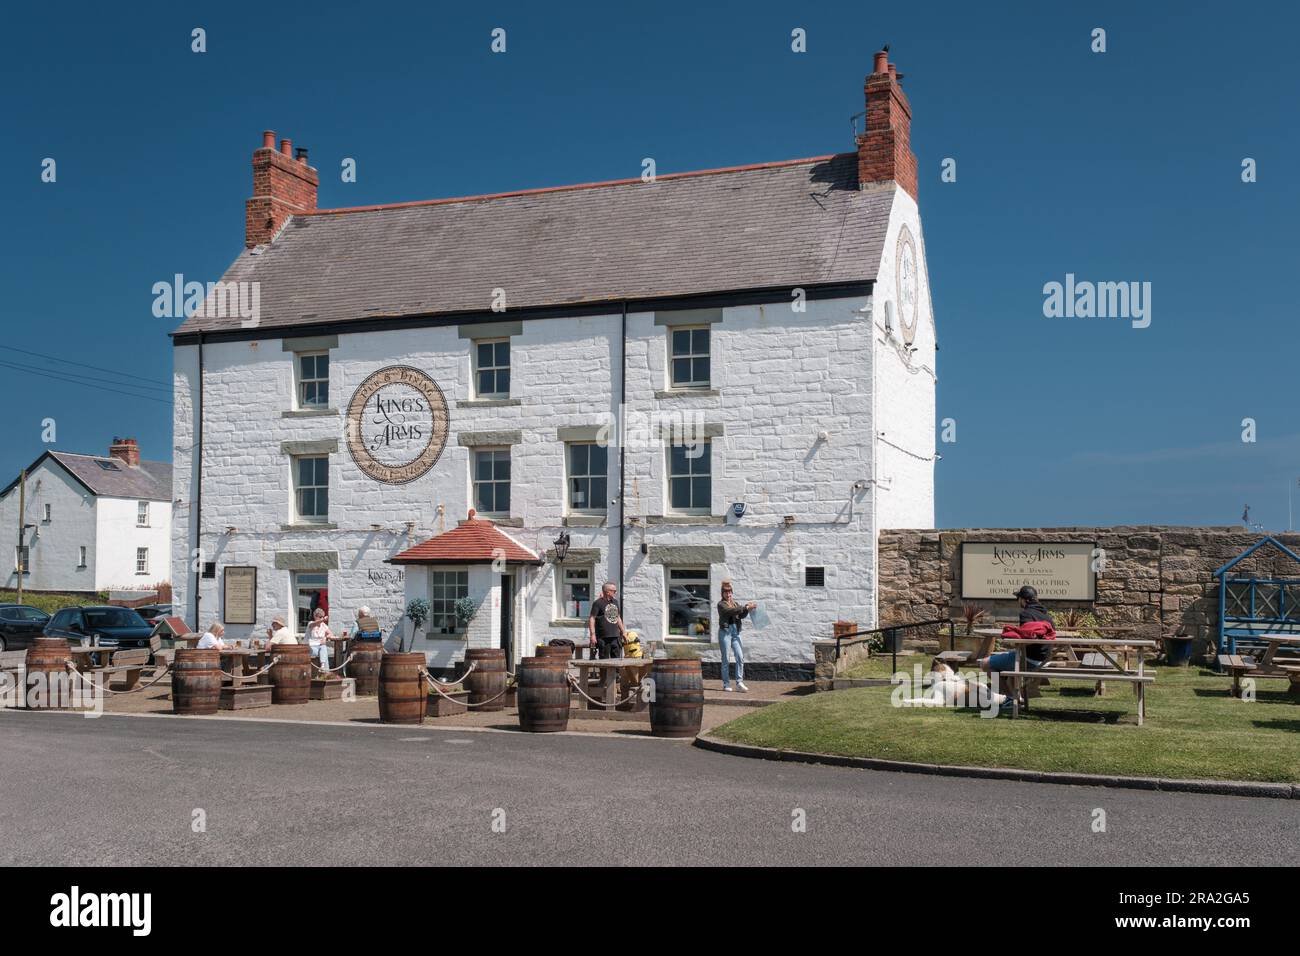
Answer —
690 477
311 485
588 477
23 559
142 514
492 481
49 511
688 361
81 556
492 368
313 379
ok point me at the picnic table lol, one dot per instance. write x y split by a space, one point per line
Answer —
235 660
86 651
1099 664
1270 665
607 671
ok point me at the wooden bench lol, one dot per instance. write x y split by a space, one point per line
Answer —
1236 665
953 658
1139 682
1243 665
127 664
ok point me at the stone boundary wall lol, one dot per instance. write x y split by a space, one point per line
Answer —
1158 575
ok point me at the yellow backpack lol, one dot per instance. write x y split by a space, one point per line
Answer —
632 645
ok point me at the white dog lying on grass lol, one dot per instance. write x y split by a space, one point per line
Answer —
950 689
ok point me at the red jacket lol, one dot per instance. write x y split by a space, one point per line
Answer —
1031 629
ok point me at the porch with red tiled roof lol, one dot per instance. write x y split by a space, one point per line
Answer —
473 541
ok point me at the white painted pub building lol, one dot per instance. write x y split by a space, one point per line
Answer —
717 374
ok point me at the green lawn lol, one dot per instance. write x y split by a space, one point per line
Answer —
1194 729
49 603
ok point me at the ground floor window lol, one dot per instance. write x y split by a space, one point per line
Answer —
445 589
23 559
81 556
141 560
310 591
689 604
575 593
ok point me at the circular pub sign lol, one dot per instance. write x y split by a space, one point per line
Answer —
397 424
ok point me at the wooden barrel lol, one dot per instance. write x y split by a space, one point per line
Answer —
488 679
402 695
546 650
543 694
290 674
196 681
366 659
677 707
47 674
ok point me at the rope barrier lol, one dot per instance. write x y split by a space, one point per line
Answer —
274 661
453 683
331 670
434 682
104 686
604 705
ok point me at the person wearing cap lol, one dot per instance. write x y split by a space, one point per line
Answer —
1036 655
278 633
730 614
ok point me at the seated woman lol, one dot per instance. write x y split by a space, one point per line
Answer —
319 636
211 639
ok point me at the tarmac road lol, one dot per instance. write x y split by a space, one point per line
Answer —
126 790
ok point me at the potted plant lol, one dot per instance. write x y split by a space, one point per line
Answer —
418 612
972 614
465 609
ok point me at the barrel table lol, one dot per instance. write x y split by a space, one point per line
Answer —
290 674
402 697
543 694
677 707
486 683
366 659
196 681
48 678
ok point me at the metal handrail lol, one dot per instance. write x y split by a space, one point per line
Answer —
890 629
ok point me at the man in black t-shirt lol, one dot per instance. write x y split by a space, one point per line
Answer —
605 624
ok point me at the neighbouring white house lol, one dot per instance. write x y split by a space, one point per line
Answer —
92 522
718 374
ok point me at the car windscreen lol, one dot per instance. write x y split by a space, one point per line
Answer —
114 617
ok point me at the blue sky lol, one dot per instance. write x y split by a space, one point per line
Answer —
1121 166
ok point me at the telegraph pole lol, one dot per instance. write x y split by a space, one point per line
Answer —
22 529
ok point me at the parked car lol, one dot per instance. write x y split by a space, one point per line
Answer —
151 611
110 626
688 612
19 625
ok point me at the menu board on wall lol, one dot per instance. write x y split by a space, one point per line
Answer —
1057 570
239 604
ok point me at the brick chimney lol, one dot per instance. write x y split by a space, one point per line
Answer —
125 450
884 147
282 186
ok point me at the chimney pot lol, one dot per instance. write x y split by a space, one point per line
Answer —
281 188
882 62
126 451
301 154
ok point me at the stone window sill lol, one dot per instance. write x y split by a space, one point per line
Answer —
503 520
686 393
310 526
568 622
309 413
488 403
585 521
685 519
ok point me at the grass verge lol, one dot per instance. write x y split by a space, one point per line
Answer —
1194 729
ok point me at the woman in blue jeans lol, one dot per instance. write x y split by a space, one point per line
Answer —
730 614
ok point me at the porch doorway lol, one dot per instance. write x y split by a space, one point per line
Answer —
507 635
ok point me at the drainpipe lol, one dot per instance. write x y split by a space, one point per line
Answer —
622 451
198 493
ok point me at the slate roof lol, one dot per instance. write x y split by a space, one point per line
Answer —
475 541
769 226
152 481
